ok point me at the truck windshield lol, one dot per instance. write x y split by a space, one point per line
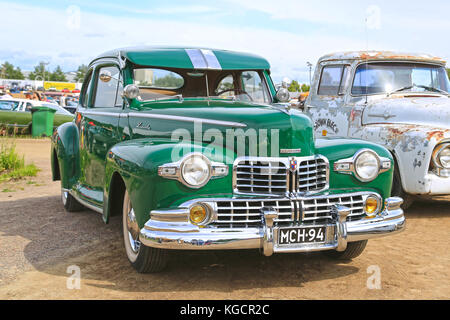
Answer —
388 77
161 84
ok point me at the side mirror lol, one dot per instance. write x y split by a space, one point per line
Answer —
283 95
105 76
131 91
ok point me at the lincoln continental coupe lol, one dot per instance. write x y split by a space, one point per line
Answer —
196 150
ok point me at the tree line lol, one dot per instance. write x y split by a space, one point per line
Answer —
40 72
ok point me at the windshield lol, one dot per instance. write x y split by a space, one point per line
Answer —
161 84
387 77
8 105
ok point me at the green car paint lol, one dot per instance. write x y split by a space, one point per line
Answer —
103 146
24 119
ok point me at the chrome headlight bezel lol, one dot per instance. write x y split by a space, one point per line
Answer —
437 155
349 165
174 170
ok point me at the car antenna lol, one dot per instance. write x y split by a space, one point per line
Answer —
366 57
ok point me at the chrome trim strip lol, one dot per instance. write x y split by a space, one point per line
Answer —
188 119
203 59
85 203
100 113
211 59
197 58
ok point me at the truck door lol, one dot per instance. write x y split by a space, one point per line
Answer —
326 102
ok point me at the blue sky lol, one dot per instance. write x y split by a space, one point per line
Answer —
287 33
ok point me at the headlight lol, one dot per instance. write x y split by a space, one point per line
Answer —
367 166
196 170
442 156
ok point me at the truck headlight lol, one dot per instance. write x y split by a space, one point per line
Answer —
196 170
367 166
441 156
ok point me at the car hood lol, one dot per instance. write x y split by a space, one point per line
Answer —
429 111
295 130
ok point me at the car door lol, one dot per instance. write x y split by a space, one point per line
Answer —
97 119
326 105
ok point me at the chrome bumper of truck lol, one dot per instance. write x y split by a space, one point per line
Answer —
165 230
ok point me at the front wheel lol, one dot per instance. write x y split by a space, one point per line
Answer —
397 190
354 249
144 259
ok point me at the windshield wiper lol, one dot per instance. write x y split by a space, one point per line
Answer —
432 89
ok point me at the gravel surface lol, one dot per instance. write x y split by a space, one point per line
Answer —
39 241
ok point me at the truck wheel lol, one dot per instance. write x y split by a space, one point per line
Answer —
69 202
144 259
354 249
397 190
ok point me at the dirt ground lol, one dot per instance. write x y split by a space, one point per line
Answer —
39 241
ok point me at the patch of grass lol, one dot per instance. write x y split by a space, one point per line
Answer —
8 190
12 166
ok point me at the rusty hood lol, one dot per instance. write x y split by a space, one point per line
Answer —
423 110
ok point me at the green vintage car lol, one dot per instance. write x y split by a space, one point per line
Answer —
195 150
17 113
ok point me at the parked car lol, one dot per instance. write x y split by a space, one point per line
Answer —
398 100
17 112
194 149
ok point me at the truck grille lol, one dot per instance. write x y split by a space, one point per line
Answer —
276 176
308 211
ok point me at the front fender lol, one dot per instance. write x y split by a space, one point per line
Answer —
137 163
342 148
65 144
412 146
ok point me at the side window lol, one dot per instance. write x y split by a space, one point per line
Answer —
28 107
253 85
85 94
107 82
333 80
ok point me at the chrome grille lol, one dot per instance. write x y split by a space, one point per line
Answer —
307 211
261 177
312 175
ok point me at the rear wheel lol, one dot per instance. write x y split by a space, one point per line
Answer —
354 249
144 259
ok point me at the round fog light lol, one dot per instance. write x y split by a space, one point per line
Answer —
371 206
198 214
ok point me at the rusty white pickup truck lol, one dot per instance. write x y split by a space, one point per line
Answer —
400 101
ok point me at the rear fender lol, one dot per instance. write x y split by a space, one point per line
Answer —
65 145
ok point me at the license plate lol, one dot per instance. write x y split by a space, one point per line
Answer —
301 235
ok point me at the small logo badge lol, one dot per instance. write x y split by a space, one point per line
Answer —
293 164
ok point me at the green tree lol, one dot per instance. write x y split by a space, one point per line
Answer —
448 72
58 75
294 87
7 71
39 72
81 73
305 88
169 81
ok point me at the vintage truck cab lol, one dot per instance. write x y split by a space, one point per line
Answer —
398 100
194 150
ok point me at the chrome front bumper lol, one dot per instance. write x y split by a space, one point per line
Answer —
165 230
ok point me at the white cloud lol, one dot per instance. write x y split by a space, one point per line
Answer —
43 32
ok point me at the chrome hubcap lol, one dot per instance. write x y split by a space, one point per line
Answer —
133 231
